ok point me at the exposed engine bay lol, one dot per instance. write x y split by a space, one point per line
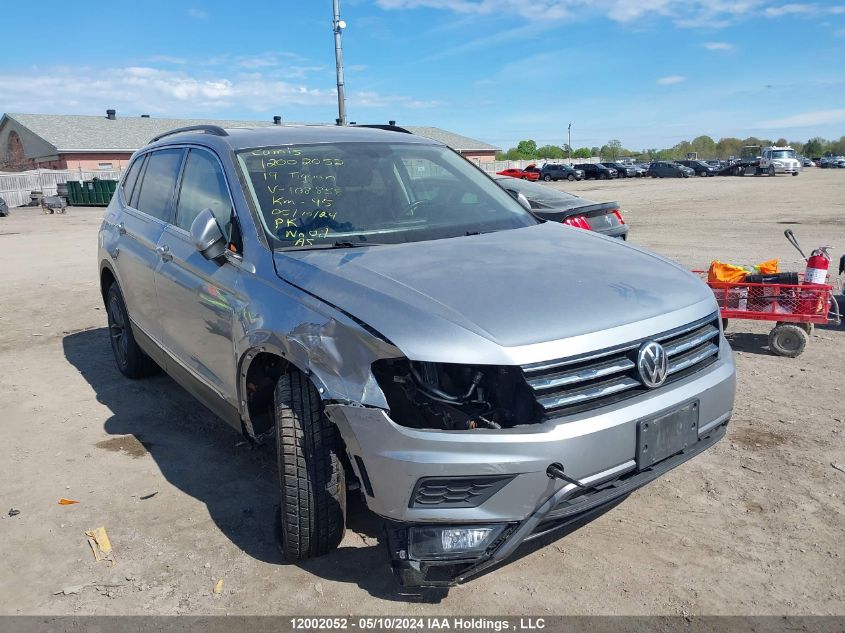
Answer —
453 397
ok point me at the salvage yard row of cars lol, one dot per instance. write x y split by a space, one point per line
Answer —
350 336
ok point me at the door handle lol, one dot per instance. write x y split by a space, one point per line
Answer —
121 228
164 252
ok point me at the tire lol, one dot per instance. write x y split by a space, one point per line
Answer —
547 178
570 177
771 170
724 325
809 328
794 173
523 177
130 358
654 175
312 486
788 339
602 176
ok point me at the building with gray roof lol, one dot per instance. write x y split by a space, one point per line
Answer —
69 141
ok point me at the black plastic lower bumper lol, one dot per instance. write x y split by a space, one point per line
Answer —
558 511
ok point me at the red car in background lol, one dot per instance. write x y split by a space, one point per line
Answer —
522 174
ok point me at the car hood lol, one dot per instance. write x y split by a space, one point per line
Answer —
492 298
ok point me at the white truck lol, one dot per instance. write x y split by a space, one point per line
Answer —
779 160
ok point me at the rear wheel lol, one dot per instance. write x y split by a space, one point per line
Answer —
311 479
130 358
788 339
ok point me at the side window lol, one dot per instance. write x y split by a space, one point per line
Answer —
203 187
131 178
159 182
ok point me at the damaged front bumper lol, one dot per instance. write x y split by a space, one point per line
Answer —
560 510
418 477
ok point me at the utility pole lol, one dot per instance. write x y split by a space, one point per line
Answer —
337 26
569 145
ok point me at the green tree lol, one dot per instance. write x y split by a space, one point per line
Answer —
612 150
704 146
582 152
550 151
595 151
781 142
501 156
527 148
815 146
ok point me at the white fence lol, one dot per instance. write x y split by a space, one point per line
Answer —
15 188
498 165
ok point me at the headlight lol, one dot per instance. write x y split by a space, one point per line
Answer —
437 542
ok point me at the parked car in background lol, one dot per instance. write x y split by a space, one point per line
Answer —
623 170
597 171
522 174
699 167
669 169
477 376
552 171
532 168
554 205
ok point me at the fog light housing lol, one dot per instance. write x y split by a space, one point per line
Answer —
435 542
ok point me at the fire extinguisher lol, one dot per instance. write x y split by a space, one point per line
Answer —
818 263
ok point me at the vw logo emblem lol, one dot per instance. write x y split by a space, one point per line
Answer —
652 364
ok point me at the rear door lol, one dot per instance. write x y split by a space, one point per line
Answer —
141 225
198 298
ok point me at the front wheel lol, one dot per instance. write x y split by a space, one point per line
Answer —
771 170
312 485
603 177
547 178
570 177
794 173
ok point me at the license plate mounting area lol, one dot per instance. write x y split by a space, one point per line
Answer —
666 434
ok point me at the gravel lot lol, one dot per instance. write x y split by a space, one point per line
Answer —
754 526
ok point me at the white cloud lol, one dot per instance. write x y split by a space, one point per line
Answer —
197 14
718 46
537 10
670 80
691 13
806 119
175 92
803 9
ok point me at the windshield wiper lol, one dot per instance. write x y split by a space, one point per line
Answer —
328 246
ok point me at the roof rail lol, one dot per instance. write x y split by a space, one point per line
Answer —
390 128
209 129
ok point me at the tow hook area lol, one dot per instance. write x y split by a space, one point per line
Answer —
555 471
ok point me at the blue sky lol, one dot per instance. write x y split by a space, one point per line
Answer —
648 72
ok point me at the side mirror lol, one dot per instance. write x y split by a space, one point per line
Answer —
521 199
208 238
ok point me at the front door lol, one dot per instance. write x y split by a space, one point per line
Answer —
198 299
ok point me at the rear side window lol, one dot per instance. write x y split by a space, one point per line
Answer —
159 182
203 187
131 178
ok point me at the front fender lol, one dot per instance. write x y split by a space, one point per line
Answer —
333 349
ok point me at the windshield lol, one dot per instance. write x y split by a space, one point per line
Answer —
370 193
783 153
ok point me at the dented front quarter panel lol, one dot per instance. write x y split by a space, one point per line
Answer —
334 350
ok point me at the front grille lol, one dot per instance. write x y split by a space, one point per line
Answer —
594 380
456 492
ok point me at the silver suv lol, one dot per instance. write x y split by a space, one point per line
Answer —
401 326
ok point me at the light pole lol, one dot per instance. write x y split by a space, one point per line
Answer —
569 145
337 26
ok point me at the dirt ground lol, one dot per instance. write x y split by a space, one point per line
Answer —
754 526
